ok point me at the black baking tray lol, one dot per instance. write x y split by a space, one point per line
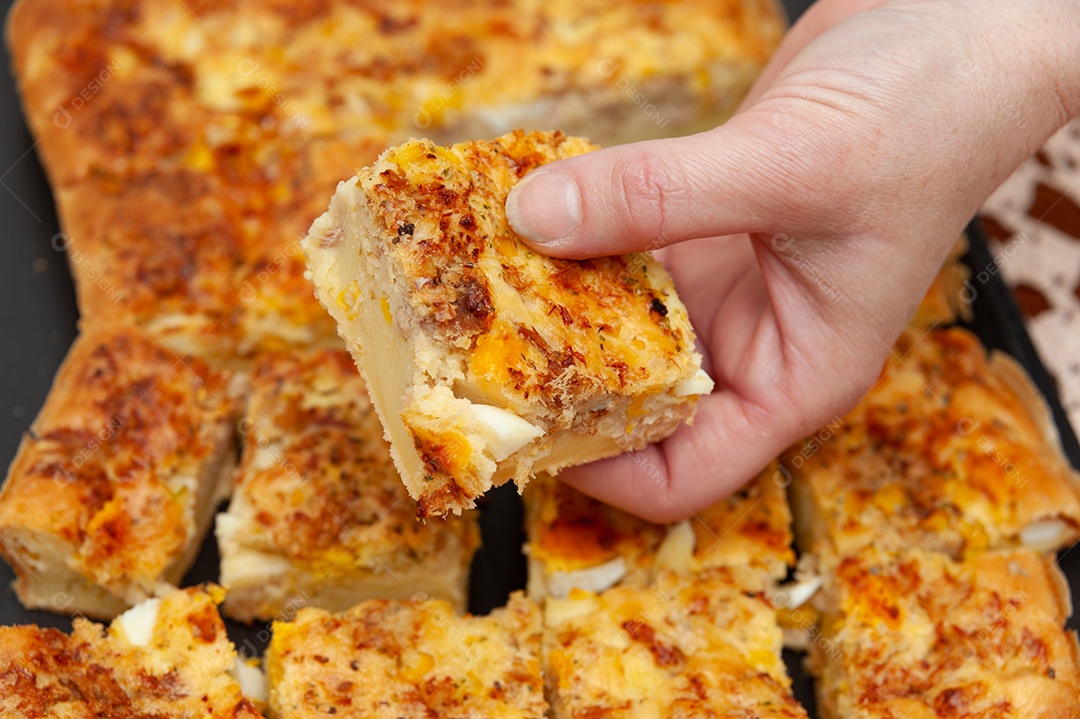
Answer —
38 321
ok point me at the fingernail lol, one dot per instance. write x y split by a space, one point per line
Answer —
545 207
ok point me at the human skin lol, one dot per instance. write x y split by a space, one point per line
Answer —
803 232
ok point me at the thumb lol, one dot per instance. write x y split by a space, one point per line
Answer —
646 195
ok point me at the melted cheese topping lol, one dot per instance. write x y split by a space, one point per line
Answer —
978 638
609 324
700 646
569 353
413 67
571 533
949 451
408 659
318 472
167 658
318 495
246 115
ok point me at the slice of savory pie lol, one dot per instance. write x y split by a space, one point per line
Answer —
319 515
408 659
168 657
575 541
950 450
116 482
689 646
485 360
918 635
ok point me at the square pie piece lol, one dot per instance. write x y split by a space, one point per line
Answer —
319 515
921 636
116 482
575 541
167 657
414 659
698 646
951 450
486 361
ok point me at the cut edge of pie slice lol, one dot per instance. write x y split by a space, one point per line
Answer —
115 484
319 516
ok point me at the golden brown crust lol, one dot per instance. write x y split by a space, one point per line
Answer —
136 256
318 489
197 256
130 442
570 532
698 646
96 672
590 358
388 659
133 85
917 634
96 98
609 327
750 527
948 451
191 144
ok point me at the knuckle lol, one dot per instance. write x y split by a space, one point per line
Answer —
649 188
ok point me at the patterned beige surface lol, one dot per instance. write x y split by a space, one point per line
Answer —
1033 221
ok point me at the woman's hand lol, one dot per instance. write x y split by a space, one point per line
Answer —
803 233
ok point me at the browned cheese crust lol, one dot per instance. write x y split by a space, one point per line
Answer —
697 646
191 144
951 450
115 480
318 504
570 533
391 659
919 635
415 258
96 672
134 85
